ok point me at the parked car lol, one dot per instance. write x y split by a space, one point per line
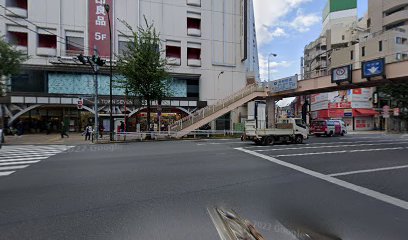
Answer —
328 128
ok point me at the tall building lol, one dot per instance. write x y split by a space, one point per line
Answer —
210 46
338 17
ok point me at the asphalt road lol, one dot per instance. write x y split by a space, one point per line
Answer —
352 187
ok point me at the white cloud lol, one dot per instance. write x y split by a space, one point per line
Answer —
265 35
269 12
273 65
302 23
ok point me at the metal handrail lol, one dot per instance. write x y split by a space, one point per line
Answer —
211 109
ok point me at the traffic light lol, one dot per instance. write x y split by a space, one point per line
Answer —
98 61
82 59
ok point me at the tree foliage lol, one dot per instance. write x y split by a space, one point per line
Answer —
398 94
10 60
143 67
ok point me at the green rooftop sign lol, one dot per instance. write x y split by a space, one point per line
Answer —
338 5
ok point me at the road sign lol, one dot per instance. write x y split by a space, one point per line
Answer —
373 68
341 74
284 84
348 112
386 111
396 112
80 103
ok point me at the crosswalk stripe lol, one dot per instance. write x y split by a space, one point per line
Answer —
14 167
18 163
6 173
27 156
24 159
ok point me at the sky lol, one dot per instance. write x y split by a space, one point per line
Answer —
285 27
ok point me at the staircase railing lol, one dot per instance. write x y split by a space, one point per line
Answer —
211 109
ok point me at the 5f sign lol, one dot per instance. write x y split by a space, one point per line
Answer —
100 36
98 26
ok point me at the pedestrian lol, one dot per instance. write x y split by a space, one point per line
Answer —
63 130
48 127
101 130
88 132
122 127
20 128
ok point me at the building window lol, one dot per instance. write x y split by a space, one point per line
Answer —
196 3
400 40
47 41
18 38
369 23
363 51
380 46
194 56
173 55
74 45
123 47
343 37
17 4
194 23
351 55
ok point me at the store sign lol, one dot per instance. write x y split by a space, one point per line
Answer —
373 68
80 103
348 112
284 84
98 27
340 105
342 74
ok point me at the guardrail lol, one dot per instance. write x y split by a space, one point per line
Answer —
209 110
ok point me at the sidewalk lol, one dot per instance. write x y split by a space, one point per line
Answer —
366 132
43 139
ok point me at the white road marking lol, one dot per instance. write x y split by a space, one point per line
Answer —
343 151
368 171
14 167
220 143
328 143
330 146
23 159
18 163
25 155
6 173
365 191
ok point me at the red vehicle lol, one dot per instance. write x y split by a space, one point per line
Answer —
328 128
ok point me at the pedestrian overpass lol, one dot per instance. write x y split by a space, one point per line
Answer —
395 72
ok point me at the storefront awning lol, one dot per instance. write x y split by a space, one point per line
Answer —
364 112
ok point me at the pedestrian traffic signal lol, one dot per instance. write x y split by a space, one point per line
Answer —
98 61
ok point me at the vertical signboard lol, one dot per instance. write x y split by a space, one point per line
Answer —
98 27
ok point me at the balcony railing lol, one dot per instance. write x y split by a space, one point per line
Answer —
194 62
48 52
193 32
16 12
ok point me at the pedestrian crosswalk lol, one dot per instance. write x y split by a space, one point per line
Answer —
17 157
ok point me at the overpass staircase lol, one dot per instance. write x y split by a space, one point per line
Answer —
205 115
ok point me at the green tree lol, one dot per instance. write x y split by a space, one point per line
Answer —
143 67
10 61
398 94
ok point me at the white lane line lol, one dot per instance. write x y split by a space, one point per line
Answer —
330 146
328 143
18 163
368 171
336 152
221 143
368 192
23 159
14 167
6 173
29 151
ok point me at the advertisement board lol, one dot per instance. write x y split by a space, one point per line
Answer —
98 27
341 74
373 68
360 94
284 84
319 106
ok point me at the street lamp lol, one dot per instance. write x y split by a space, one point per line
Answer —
269 59
218 85
107 8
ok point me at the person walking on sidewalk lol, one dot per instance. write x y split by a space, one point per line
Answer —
88 132
48 127
63 130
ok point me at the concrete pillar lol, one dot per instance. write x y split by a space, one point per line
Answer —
270 109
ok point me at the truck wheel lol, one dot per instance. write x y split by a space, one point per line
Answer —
299 139
270 140
257 142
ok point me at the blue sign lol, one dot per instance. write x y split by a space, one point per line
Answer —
284 84
373 68
348 114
